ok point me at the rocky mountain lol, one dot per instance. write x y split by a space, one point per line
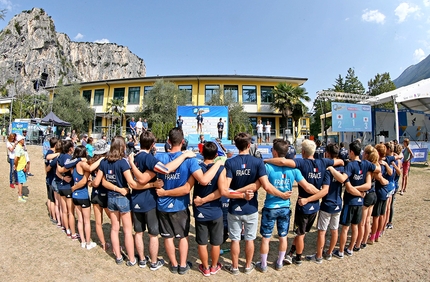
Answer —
31 48
414 73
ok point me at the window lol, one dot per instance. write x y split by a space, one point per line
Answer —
304 122
266 94
98 125
98 97
134 95
118 93
188 89
233 91
87 95
210 90
146 89
249 94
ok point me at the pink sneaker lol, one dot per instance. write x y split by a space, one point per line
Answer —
214 270
205 271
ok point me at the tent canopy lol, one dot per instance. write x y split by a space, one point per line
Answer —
414 97
51 118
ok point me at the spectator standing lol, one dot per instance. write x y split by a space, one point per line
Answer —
133 126
220 127
139 127
267 131
259 128
179 122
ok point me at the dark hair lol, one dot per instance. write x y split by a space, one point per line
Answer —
117 149
59 147
333 150
80 152
318 142
53 141
209 151
96 158
67 144
90 140
147 138
355 147
184 145
389 146
176 135
281 147
242 141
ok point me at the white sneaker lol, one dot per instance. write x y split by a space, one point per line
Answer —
83 245
91 245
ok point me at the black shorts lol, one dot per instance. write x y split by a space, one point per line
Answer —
174 224
65 193
379 208
100 200
143 220
50 192
84 203
303 222
212 230
369 199
350 215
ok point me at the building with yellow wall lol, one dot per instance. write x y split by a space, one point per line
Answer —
253 92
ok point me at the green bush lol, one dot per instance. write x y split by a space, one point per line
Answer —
18 28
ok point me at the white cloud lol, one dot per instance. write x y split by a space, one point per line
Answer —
373 16
419 55
6 4
104 40
404 10
426 3
79 36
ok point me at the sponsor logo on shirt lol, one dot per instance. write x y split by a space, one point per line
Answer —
238 208
311 208
170 206
201 215
337 208
137 206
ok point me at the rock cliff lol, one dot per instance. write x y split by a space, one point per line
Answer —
30 46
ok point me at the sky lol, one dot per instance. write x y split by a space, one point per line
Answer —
318 40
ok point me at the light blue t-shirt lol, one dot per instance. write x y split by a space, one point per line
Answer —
282 178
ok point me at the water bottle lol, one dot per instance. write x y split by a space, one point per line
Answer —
223 251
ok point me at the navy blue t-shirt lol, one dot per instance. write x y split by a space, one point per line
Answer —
144 200
382 190
114 173
344 155
174 180
332 202
314 171
211 210
356 171
179 123
319 153
62 160
244 170
51 173
291 153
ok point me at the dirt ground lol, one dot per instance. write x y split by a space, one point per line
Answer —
32 249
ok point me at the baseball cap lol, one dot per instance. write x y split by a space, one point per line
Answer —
101 147
19 138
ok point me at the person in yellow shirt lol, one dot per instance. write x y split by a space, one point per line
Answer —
20 163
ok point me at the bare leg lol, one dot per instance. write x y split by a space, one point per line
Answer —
71 214
128 235
86 214
320 243
235 250
183 251
215 255
203 255
98 215
153 247
114 233
169 246
333 240
65 217
80 223
138 242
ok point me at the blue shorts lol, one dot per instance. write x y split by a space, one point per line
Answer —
21 177
119 203
268 218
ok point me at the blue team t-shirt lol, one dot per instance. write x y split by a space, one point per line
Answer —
344 155
210 210
282 178
314 171
114 173
244 170
51 173
81 193
179 123
332 202
144 200
62 160
382 190
174 180
291 153
391 178
356 171
319 153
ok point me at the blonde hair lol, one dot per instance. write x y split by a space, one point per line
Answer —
308 147
371 154
406 140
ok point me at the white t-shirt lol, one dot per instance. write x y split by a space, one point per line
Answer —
259 127
267 128
139 125
11 154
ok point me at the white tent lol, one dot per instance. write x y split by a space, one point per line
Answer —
414 97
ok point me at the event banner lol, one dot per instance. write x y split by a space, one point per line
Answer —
420 155
211 116
18 127
351 117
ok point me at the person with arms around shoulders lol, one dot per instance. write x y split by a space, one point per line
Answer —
277 210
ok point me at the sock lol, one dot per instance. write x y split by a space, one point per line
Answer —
280 260
298 257
68 231
292 250
378 234
372 237
341 253
263 260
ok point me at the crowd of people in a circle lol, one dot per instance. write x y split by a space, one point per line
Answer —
150 194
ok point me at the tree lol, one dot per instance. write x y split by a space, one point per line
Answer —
299 110
380 84
2 14
70 106
161 102
238 118
351 84
115 107
285 96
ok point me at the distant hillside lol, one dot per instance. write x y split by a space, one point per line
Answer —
414 73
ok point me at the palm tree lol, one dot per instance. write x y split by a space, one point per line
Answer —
285 97
116 109
299 110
